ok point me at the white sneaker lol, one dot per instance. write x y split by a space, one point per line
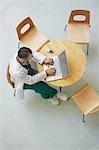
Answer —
61 96
54 101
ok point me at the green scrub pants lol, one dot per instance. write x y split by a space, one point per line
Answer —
41 87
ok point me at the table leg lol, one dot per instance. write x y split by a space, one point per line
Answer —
87 48
60 88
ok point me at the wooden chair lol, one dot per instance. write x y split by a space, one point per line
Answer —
78 27
87 100
31 37
8 77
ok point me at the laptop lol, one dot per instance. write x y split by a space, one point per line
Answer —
61 66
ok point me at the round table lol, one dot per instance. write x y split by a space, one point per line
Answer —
75 57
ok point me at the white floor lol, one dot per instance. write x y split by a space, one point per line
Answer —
33 124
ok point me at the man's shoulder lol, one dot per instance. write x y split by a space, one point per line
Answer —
16 67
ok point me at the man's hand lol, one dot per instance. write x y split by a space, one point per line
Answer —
48 61
51 71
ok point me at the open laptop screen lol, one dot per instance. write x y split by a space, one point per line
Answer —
63 64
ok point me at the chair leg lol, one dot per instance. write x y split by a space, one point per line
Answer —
18 45
87 48
69 98
65 27
14 92
83 118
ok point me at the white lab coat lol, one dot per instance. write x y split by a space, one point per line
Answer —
19 74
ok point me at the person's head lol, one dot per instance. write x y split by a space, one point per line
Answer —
24 54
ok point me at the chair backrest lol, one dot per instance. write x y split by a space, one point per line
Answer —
84 14
24 23
8 77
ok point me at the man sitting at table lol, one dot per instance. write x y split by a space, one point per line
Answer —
25 77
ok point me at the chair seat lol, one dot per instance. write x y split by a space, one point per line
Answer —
34 39
87 100
78 33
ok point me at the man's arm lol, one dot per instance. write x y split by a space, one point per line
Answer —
38 57
28 79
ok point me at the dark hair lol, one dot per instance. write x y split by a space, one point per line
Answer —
23 52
